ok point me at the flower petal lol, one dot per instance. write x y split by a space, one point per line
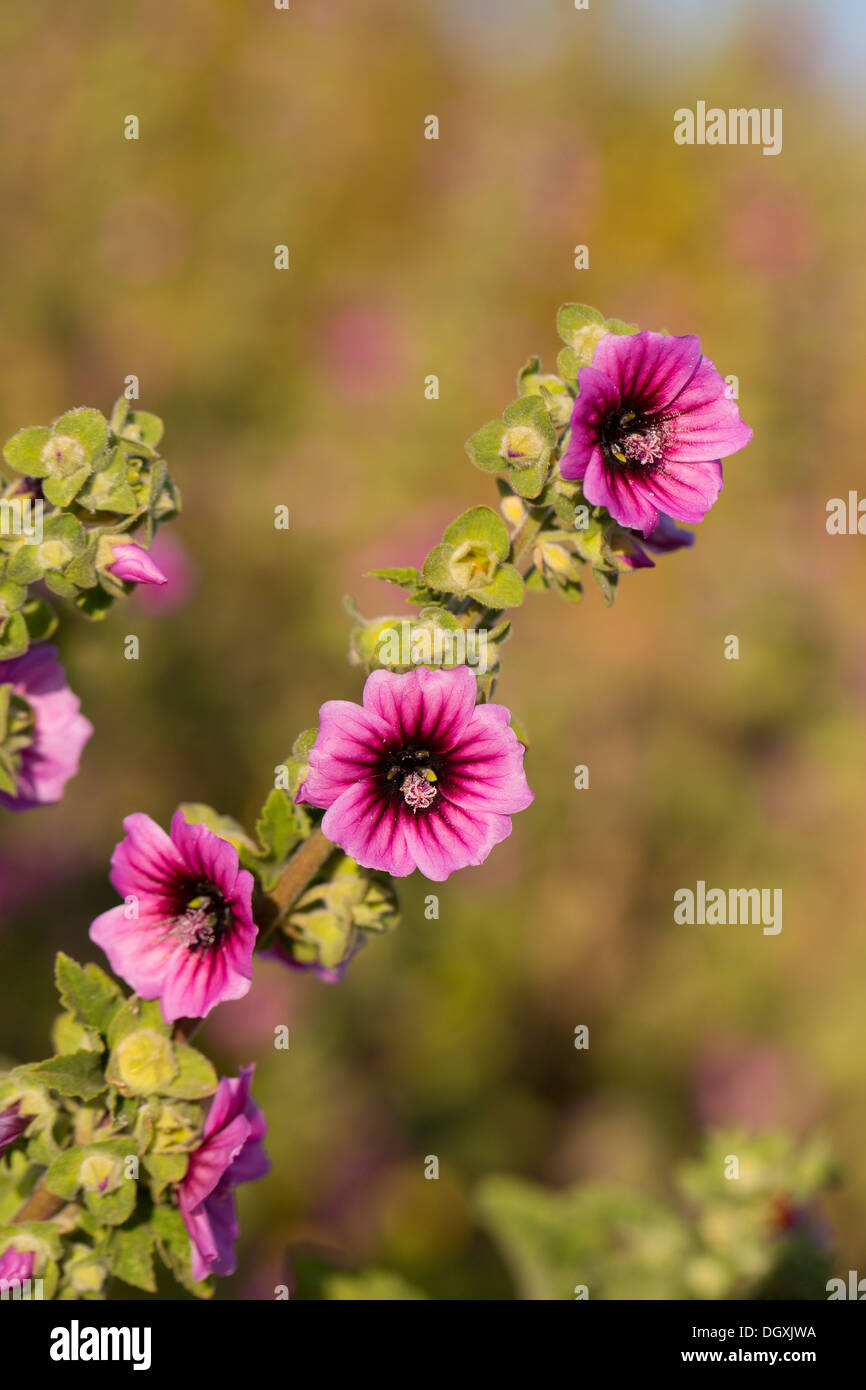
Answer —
648 369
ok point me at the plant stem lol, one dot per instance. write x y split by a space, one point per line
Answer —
304 864
41 1205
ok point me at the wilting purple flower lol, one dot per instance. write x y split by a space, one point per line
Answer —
652 420
12 1124
16 1264
419 776
668 536
185 934
230 1153
45 730
132 563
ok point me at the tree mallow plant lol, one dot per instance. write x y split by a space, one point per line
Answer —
125 1142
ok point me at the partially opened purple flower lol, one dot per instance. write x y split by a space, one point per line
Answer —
418 776
132 563
15 1265
185 933
42 729
652 419
230 1153
12 1124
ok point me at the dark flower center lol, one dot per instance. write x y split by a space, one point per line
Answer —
633 440
206 919
409 773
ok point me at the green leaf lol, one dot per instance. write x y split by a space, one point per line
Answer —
437 569
88 427
195 1078
573 321
173 1244
130 1256
505 591
24 451
485 447
166 1170
479 524
40 618
74 1074
278 828
60 491
135 1014
113 1208
529 482
14 637
199 813
87 992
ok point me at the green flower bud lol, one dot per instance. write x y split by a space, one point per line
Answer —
143 1062
100 1172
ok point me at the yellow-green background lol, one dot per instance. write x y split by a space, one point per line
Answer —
305 388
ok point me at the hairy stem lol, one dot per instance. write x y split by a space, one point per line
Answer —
41 1205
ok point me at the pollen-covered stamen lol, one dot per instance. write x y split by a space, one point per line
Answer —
418 790
205 921
631 439
644 449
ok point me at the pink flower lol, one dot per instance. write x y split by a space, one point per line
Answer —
185 934
133 564
652 420
230 1153
172 559
45 731
417 777
15 1265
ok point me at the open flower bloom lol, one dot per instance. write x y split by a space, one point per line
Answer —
418 776
132 563
652 420
230 1153
42 730
15 1265
185 933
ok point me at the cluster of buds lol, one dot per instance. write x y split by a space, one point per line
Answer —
116 1148
81 488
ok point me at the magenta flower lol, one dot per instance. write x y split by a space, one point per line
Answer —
652 419
668 536
133 564
417 777
185 933
15 1265
12 1124
230 1153
44 733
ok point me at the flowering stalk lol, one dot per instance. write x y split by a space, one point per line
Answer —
125 1142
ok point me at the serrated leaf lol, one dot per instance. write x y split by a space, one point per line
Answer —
87 992
75 1074
130 1256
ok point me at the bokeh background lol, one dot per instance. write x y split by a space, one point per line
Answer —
455 1037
